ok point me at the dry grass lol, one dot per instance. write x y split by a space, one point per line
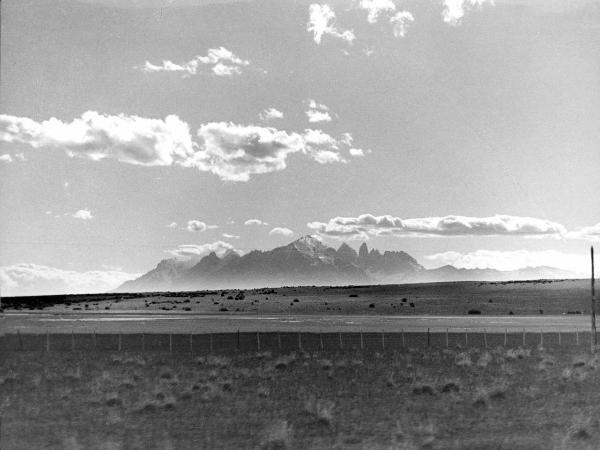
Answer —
465 398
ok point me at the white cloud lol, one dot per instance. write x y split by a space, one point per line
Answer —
591 233
376 7
454 10
357 152
401 22
322 22
196 225
223 63
20 156
230 151
512 260
366 225
235 152
6 158
172 225
282 231
318 116
250 222
270 114
196 251
317 112
34 279
82 214
230 236
94 136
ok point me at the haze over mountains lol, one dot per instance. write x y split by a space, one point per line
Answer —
307 261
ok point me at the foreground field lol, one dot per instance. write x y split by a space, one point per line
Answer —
450 398
459 298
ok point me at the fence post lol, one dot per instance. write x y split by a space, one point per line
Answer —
382 339
119 345
72 341
362 346
299 341
47 341
211 342
523 337
541 338
95 342
143 342
321 339
403 343
577 336
257 341
191 344
170 343
428 338
20 340
559 343
447 343
505 336
279 340
238 339
466 337
485 337
340 338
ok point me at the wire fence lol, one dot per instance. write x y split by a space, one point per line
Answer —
205 343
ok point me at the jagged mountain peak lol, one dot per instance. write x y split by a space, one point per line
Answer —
310 245
363 251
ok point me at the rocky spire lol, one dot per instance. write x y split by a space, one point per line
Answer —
363 251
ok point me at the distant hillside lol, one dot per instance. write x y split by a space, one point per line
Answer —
307 261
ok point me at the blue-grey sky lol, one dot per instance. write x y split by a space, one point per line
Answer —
131 128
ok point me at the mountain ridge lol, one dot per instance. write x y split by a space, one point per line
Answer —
307 261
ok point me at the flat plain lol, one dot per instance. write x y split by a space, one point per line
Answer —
517 398
537 297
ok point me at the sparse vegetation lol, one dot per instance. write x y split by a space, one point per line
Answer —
449 398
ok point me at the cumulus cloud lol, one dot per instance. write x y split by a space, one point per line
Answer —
230 236
172 225
187 252
511 260
317 112
281 231
251 222
401 22
196 225
321 22
82 214
270 114
376 7
34 279
235 152
454 10
94 136
6 158
232 152
357 152
366 225
222 63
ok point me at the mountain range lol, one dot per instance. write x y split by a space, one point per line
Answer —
307 261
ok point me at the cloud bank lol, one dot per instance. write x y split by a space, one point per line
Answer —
188 252
511 260
231 151
35 279
222 63
376 7
401 22
367 225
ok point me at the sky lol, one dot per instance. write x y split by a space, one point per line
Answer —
463 132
